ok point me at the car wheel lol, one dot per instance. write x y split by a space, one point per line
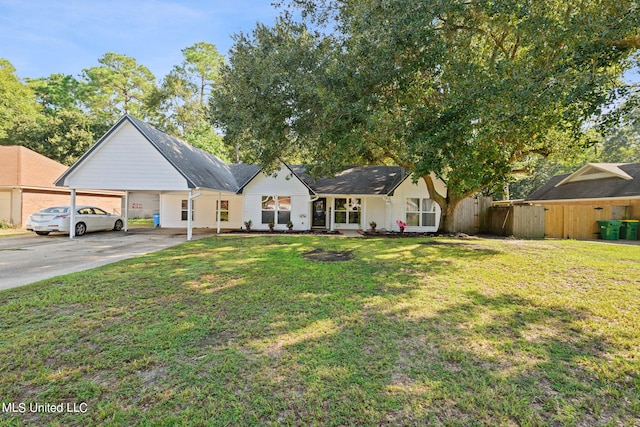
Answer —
81 228
42 233
118 225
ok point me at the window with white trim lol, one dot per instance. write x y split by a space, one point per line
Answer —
276 209
185 210
222 206
347 210
421 212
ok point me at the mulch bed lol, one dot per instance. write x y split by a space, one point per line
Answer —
394 234
310 232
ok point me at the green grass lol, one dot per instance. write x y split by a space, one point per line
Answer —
245 330
140 222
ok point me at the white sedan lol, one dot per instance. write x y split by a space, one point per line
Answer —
87 218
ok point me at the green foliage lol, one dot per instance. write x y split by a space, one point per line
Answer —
463 89
184 93
61 117
58 92
119 86
621 144
5 224
18 109
203 136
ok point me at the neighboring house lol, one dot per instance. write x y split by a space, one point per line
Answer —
197 189
26 186
597 191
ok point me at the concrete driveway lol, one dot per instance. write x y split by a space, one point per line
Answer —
28 258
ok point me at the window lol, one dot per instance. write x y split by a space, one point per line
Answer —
276 209
421 212
347 210
223 207
284 209
185 210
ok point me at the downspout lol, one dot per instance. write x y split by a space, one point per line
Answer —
190 212
72 218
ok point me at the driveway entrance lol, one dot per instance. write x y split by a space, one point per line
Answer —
28 258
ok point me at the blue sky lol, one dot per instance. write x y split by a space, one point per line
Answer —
42 37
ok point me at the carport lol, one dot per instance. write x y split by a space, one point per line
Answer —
135 157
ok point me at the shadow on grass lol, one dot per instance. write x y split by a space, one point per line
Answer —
222 332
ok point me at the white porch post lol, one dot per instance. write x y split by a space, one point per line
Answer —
332 222
189 213
387 213
125 211
218 210
72 218
365 223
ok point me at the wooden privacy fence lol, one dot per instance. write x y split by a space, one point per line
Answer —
579 221
559 221
521 221
471 215
477 215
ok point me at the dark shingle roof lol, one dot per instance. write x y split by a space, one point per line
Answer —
356 180
602 188
204 170
244 173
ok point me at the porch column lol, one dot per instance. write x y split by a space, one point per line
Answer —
125 211
332 222
365 223
189 213
218 211
72 217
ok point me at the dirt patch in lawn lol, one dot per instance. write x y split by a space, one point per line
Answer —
328 256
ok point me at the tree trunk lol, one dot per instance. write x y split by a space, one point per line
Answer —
448 218
447 205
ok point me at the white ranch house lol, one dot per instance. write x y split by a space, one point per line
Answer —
190 188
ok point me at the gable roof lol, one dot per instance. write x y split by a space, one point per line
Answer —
204 170
22 167
592 171
199 168
244 173
593 181
378 180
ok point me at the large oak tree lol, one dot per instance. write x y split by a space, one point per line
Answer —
464 88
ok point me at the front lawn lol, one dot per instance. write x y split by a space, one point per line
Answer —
313 330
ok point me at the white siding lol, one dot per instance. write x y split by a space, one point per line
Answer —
398 204
283 184
375 209
143 205
204 208
126 161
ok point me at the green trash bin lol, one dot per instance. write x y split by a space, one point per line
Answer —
609 229
629 229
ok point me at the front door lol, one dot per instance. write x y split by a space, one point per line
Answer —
320 213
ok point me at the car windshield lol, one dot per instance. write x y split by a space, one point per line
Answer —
58 210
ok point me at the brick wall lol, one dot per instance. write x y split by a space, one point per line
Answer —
35 200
